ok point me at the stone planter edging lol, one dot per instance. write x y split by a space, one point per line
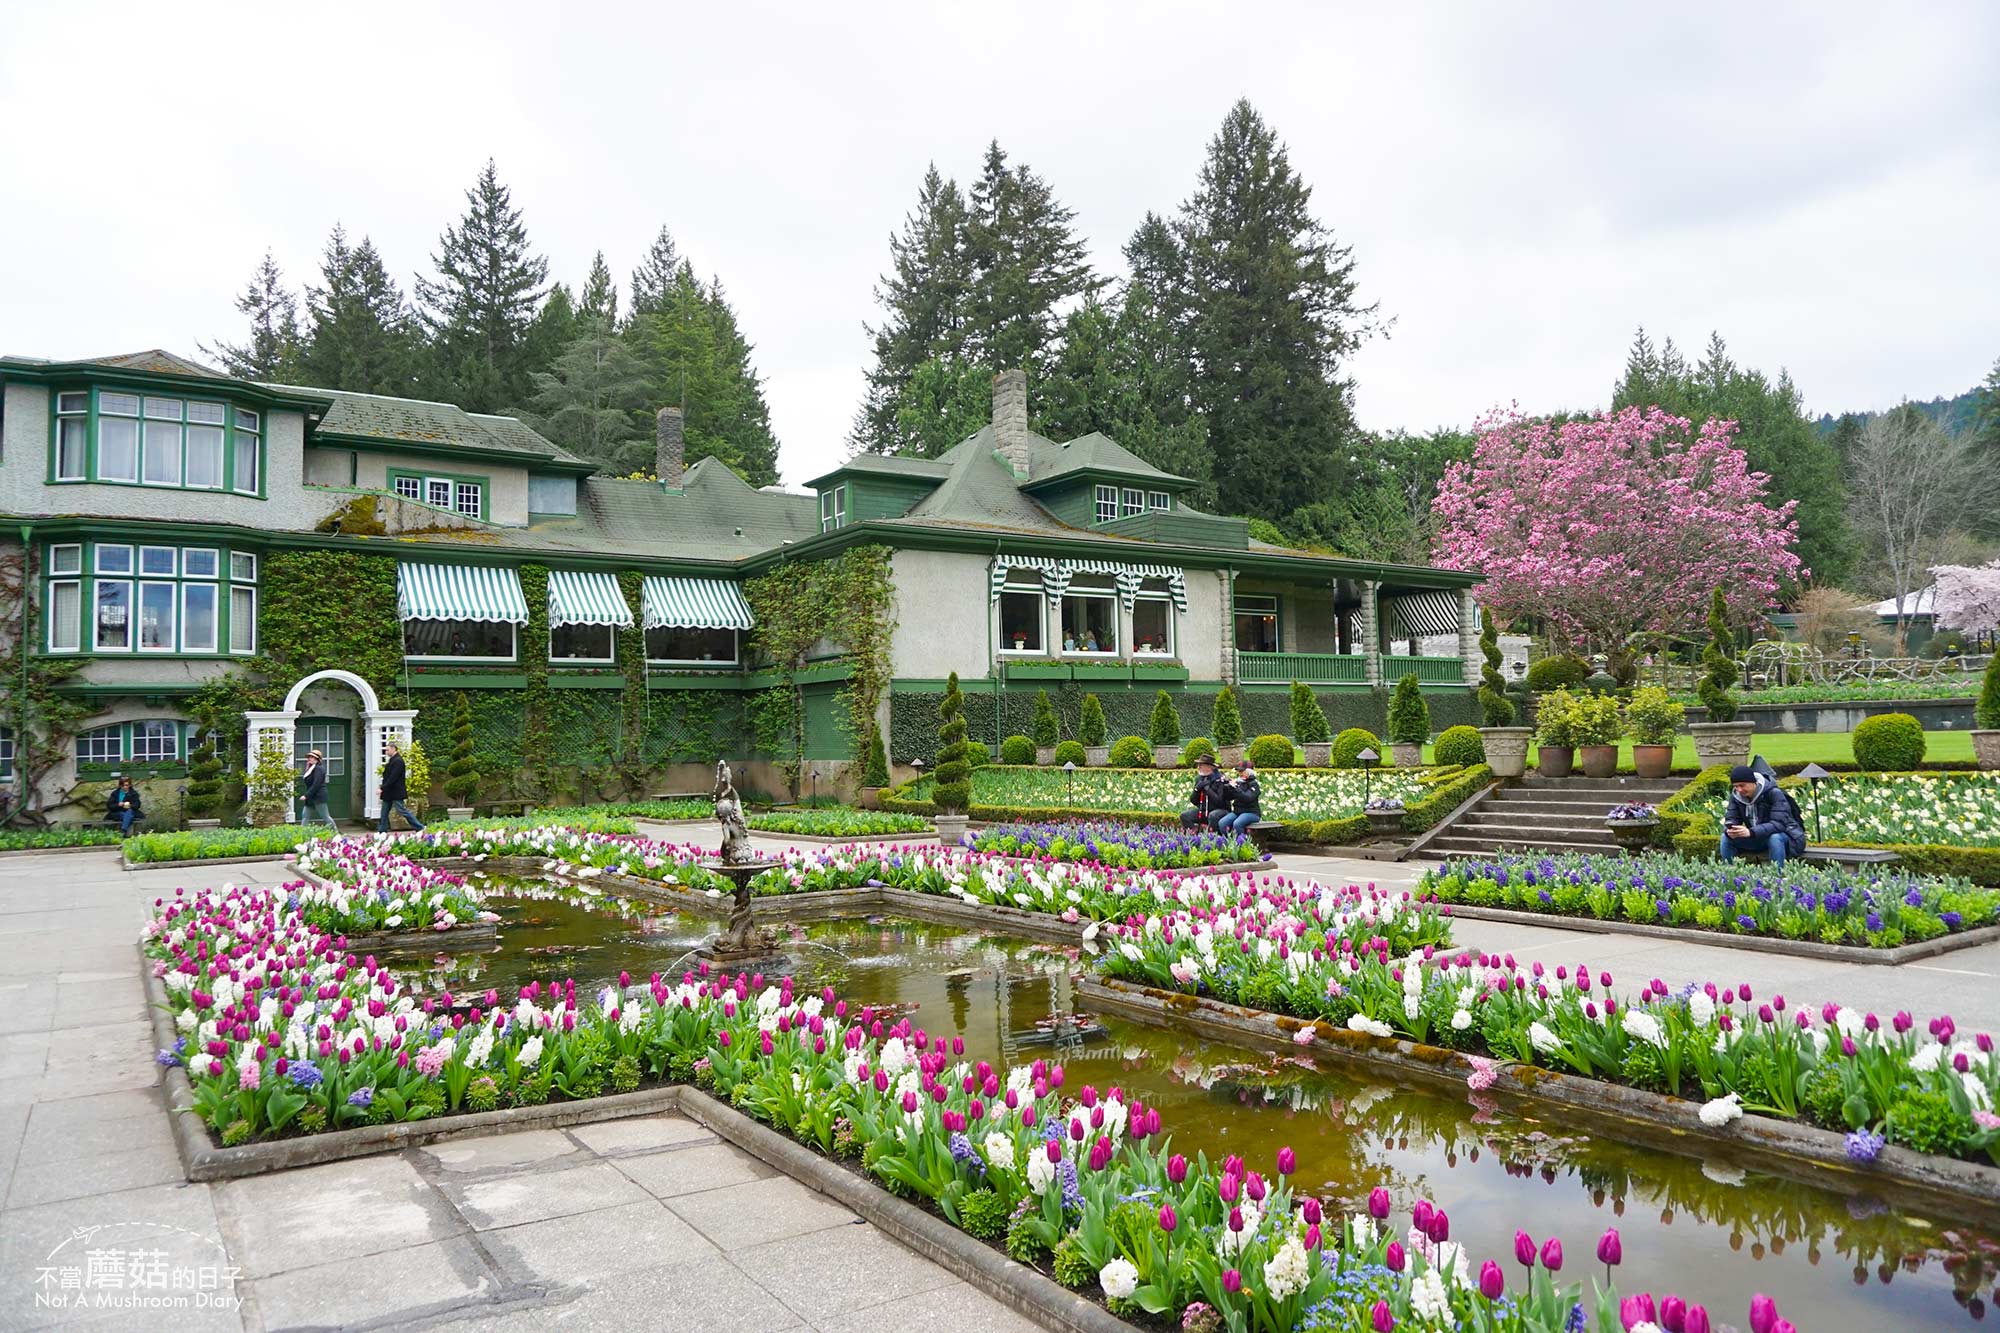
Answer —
1021 1288
1845 953
920 835
1941 1179
283 854
64 851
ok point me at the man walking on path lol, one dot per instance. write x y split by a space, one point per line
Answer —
395 791
1760 818
312 791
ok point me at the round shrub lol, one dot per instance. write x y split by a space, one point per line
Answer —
1017 750
1069 752
1131 752
1270 752
977 754
1557 673
1350 743
1459 746
1199 747
1889 742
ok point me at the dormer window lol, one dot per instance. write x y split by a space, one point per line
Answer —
1159 500
134 439
833 508
1107 503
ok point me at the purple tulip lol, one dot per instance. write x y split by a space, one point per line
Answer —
1637 1310
1491 1282
1394 1256
1524 1249
1232 1281
1288 1161
1378 1203
1763 1313
1440 1228
1552 1255
1609 1249
1167 1219
1177 1168
1384 1321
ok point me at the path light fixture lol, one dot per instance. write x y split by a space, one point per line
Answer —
1367 759
1814 774
1069 783
813 773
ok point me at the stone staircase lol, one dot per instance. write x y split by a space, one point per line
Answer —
1546 814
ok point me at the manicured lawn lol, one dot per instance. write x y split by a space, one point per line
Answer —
1833 747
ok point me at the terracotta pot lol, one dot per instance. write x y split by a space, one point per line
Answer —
1986 748
870 798
1506 749
1652 761
1318 753
1166 756
1405 755
1722 742
1599 761
1096 756
1557 761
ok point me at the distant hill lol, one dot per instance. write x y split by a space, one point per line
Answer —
1954 414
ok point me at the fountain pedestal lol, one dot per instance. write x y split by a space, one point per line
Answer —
743 946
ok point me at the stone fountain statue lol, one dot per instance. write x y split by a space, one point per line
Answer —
729 813
742 945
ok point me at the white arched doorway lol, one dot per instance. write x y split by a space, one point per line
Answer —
381 725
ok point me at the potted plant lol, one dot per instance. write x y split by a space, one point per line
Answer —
204 789
1385 816
951 793
1164 731
1595 724
1090 729
1047 729
1632 824
461 779
1409 723
1721 739
1310 728
1553 734
1506 744
1226 725
874 772
272 782
1986 717
1653 716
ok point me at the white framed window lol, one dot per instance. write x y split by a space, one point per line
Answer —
243 566
113 616
1107 503
204 457
198 617
163 438
242 620
72 436
158 561
437 492
118 437
156 742
674 645
1133 502
200 562
66 559
1159 500
410 488
465 498
65 613
114 560
157 619
459 640
1023 615
833 508
1090 619
247 444
583 643
103 745
1152 626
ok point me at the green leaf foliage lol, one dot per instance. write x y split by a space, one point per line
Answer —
461 780
1719 666
1090 728
1495 708
953 789
1048 728
1017 750
1309 724
1227 722
1270 751
1165 726
1131 752
1459 746
1889 742
1069 752
1409 715
1347 747
1559 672
1986 712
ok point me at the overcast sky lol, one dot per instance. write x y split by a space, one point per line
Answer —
1522 184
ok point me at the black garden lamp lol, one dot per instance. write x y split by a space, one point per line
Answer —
1367 759
1814 774
813 773
1069 782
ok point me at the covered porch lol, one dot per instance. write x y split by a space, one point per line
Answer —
1352 631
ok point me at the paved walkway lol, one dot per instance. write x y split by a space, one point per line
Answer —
612 1226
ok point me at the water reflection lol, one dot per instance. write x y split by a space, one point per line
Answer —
1716 1225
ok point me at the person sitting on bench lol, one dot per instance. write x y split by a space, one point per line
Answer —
1209 801
1760 817
124 807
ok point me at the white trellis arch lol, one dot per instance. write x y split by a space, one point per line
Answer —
382 726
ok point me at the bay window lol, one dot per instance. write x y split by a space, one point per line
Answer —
156 743
150 599
113 435
1090 617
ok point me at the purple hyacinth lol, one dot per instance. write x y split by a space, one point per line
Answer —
361 1097
1863 1146
1072 1193
166 1058
963 1153
304 1075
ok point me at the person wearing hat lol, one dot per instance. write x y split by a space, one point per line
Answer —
1760 817
1209 801
312 790
395 789
1243 801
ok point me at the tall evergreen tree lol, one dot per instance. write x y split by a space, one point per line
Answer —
600 294
1272 316
479 308
696 356
945 400
1027 263
1102 378
654 277
591 400
1161 423
925 297
272 350
359 335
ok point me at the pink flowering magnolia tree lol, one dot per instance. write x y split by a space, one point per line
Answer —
1615 525
1968 597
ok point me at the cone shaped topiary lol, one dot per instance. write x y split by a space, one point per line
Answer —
875 773
1309 724
1047 729
1986 712
1165 727
1227 722
1090 728
1409 715
1495 708
952 793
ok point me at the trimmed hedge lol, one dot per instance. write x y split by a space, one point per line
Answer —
1069 752
977 755
1459 745
1889 742
1131 752
1198 748
1017 750
1270 752
1557 673
1349 744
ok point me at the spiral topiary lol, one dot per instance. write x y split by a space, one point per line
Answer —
1720 671
1495 708
1459 746
952 793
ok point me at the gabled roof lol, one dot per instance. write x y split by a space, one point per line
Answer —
716 515
889 465
417 421
1095 452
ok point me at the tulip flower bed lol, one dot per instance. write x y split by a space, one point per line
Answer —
283 1033
1877 1079
836 822
56 835
1289 795
370 888
1109 843
1875 908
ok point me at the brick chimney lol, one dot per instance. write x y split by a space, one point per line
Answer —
668 455
1010 419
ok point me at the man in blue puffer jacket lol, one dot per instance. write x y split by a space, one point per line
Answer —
1760 817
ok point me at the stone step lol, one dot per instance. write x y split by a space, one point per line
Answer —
1656 786
1501 830
1459 845
1580 808
1512 814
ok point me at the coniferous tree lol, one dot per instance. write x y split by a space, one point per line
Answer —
924 297
655 275
944 401
1272 316
271 352
599 299
358 335
695 355
591 399
1027 261
479 309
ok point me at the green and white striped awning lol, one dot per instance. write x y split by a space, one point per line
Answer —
587 597
459 592
1056 576
679 603
1414 615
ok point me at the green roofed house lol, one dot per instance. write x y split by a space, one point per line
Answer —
193 546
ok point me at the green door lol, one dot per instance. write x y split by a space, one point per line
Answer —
329 736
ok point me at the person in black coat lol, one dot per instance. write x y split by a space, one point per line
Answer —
312 790
395 790
1244 798
123 806
1209 801
1760 817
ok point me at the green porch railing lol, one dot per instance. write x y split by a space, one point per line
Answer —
1430 670
1312 668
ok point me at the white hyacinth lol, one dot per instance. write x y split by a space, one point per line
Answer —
1286 1272
1119 1278
1040 1172
1428 1298
1542 1039
1000 1152
531 1052
1642 1026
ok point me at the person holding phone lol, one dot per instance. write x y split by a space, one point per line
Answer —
1760 817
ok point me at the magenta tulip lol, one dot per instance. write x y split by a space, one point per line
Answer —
1394 1256
1609 1250
1491 1282
1673 1315
1524 1249
1288 1161
1697 1320
1167 1219
1763 1313
1378 1203
1384 1321
1232 1281
1177 1168
1552 1255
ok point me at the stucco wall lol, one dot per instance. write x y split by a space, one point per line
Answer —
25 489
506 496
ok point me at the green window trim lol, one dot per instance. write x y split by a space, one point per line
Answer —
833 509
75 566
423 477
238 425
126 765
